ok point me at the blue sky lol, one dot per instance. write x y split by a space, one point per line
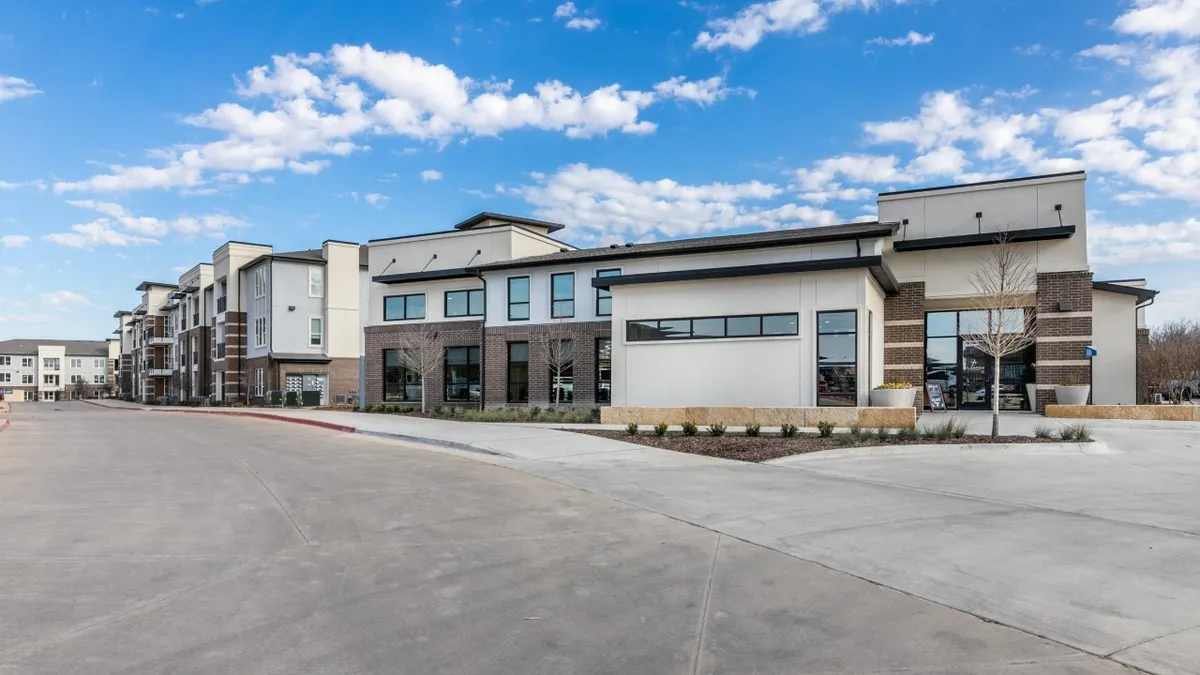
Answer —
136 137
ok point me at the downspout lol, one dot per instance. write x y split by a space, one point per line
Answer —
482 343
1137 361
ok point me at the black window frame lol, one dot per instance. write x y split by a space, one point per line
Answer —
554 300
603 293
405 297
446 303
446 381
509 374
631 337
525 302
600 380
404 370
817 337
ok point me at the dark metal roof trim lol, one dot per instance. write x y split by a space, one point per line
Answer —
1143 294
874 263
432 275
302 358
515 220
1001 181
985 239
145 285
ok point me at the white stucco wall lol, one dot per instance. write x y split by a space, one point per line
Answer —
870 336
289 328
257 308
1114 335
342 324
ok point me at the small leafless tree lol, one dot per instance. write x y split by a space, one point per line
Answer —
560 356
421 351
1173 359
1003 282
81 389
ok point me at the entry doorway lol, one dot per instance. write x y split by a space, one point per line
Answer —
965 373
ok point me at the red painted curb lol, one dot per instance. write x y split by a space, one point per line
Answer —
5 425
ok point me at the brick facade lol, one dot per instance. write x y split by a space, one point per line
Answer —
904 338
341 374
451 333
1144 395
583 335
1062 362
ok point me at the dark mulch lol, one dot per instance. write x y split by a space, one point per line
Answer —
766 448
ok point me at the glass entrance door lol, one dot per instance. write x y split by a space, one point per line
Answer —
975 374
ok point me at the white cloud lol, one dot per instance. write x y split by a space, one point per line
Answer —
375 199
565 10
14 240
96 233
570 12
39 184
138 230
309 168
14 87
1036 49
609 207
752 24
1116 244
1161 17
1172 304
1121 54
430 175
1016 94
321 105
704 92
64 299
27 318
912 39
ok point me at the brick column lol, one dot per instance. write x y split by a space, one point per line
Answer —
1062 333
904 338
583 335
1144 396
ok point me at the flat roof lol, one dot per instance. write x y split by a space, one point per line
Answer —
516 220
29 347
147 285
1001 181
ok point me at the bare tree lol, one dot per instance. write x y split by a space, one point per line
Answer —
560 356
81 388
1003 283
1173 359
421 351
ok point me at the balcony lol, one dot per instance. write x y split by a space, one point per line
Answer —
160 367
167 339
221 302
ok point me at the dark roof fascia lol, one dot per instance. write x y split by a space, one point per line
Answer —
984 239
302 358
512 220
339 241
1143 294
432 275
874 263
122 313
241 243
630 252
1001 181
146 285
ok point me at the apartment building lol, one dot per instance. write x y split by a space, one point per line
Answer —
188 313
56 370
794 318
152 342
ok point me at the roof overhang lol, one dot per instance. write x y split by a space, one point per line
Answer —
147 285
432 275
1142 294
515 220
984 239
302 358
873 264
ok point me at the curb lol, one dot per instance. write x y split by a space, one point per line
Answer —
1093 448
265 416
453 445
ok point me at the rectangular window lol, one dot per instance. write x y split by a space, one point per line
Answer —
26 379
562 295
5 360
316 331
400 383
76 379
404 307
462 374
837 358
870 347
26 362
316 282
50 364
518 372
5 377
50 380
603 371
259 382
260 281
98 363
603 296
464 303
562 384
97 379
260 331
518 299
712 327
76 364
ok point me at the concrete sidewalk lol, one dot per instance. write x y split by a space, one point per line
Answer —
1095 551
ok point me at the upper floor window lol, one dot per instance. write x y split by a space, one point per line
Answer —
97 363
260 331
260 281
316 282
316 331
464 303
50 364
5 360
404 307
26 362
518 299
562 295
604 296
712 327
76 363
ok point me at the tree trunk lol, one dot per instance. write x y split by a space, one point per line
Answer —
423 407
996 399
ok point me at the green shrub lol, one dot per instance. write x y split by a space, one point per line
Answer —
856 431
946 430
631 429
825 429
789 430
908 434
1079 433
752 430
438 411
660 429
882 434
1043 431
689 429
846 439
716 430
895 385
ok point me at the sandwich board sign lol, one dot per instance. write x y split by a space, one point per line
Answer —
937 400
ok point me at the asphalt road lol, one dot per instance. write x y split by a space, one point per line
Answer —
137 543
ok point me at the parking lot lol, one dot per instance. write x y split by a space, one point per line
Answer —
166 543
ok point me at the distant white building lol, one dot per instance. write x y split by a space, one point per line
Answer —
56 370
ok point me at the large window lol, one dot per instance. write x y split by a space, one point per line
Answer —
316 331
260 280
399 382
26 362
260 331
316 282
462 374
712 327
604 296
5 360
76 364
603 371
955 361
404 307
518 299
562 295
837 358
464 303
6 377
518 372
50 364
97 363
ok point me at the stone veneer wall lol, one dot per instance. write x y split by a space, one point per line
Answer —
453 334
584 336
904 338
1062 336
1144 396
235 356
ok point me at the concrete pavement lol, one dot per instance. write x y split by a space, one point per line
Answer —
1096 551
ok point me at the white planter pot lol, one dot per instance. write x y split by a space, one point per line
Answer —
1073 394
893 398
1031 390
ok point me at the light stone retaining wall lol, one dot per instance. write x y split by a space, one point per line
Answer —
891 418
1160 413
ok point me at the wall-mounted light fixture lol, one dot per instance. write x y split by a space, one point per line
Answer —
1058 209
979 220
291 308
